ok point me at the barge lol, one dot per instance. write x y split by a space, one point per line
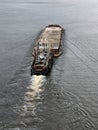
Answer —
48 46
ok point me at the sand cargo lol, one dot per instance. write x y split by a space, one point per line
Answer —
48 46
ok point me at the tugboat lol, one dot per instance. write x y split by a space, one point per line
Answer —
48 46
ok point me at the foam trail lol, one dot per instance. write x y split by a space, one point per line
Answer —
33 94
35 87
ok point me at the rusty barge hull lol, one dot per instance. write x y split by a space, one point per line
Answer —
48 46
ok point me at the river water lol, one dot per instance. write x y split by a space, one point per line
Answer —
67 99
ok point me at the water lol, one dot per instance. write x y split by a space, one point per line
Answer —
67 99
